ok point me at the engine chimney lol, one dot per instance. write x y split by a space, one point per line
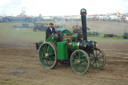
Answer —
83 13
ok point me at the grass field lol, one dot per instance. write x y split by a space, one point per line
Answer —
9 33
12 34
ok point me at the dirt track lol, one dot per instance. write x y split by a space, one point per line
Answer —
19 65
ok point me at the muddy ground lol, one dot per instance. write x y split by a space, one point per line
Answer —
19 65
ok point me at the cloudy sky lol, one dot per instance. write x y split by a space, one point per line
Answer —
62 7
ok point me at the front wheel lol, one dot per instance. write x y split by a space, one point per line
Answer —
79 61
97 59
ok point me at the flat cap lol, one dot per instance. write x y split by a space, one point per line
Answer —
50 23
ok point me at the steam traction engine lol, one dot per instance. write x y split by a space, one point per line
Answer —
67 48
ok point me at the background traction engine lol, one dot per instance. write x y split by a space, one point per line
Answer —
68 48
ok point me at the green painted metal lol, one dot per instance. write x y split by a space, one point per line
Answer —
62 50
73 46
98 59
67 38
47 55
66 32
63 31
74 36
38 44
53 39
79 61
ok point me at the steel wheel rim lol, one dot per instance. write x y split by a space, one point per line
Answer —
47 55
79 61
99 59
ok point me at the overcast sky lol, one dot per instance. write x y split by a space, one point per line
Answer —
62 7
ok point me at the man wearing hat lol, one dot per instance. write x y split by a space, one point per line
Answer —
50 30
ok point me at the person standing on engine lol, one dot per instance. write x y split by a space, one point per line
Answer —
50 30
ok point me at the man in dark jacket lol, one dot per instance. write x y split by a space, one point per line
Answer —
50 30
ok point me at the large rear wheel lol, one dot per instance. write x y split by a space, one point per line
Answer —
48 55
79 61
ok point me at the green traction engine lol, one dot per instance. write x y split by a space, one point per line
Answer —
74 49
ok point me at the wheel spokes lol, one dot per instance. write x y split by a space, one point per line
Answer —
98 59
48 48
47 55
52 54
79 62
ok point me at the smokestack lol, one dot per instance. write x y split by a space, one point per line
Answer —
83 13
